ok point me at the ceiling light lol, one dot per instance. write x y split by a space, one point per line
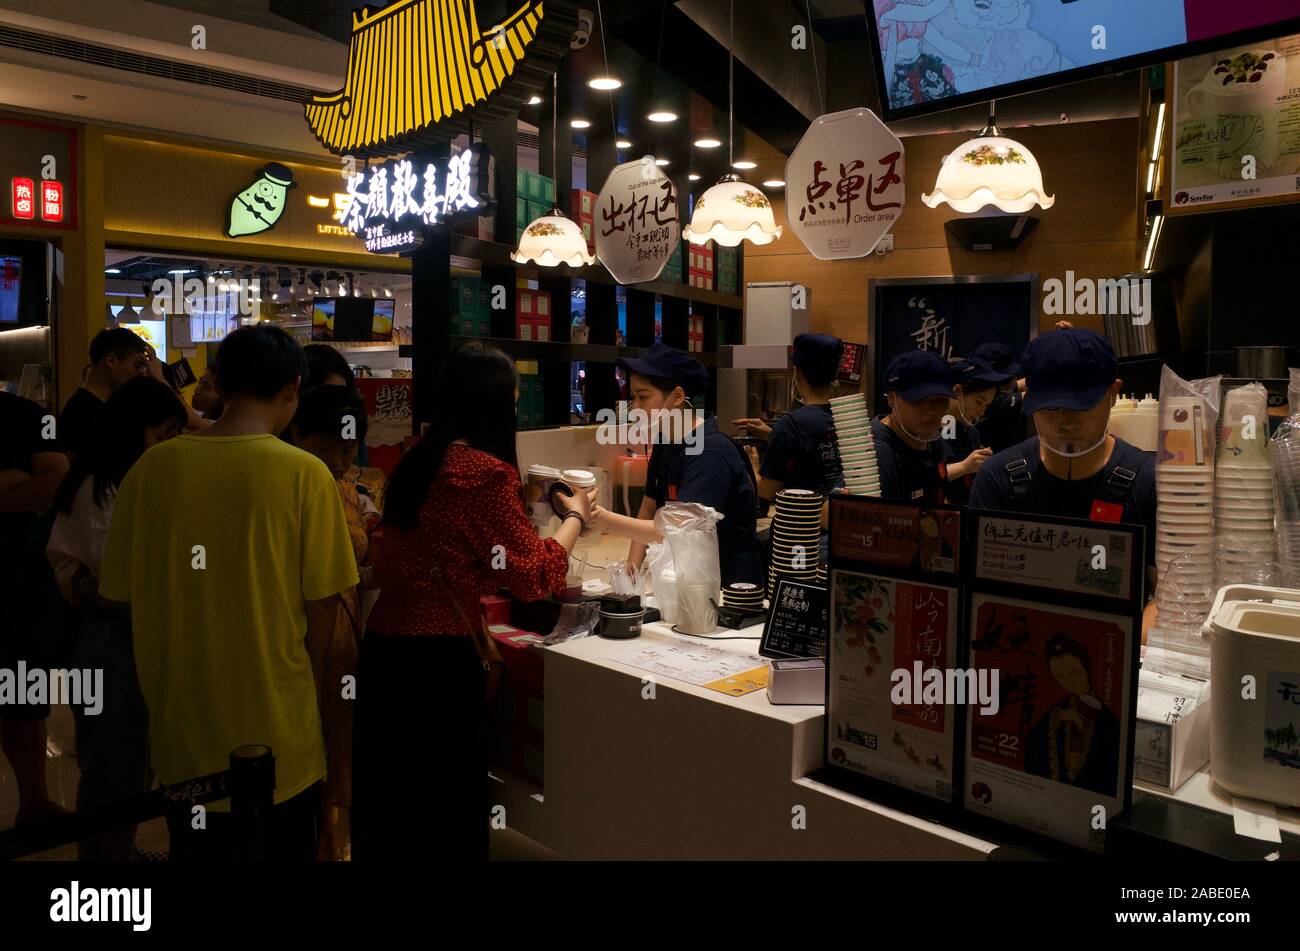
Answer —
662 116
707 143
693 177
580 123
388 292
604 82
112 270
622 144
744 165
774 183
661 162
535 101
990 169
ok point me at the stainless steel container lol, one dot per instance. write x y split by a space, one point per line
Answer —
1261 363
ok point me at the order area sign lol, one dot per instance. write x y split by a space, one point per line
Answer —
637 222
844 184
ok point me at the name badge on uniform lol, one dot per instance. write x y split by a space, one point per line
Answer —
1106 511
919 493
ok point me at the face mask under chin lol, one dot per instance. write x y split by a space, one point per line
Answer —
1069 448
898 418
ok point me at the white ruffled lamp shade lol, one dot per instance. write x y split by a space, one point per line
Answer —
990 169
730 212
553 240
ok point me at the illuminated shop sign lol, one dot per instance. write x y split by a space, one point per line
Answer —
25 206
24 199
259 206
390 206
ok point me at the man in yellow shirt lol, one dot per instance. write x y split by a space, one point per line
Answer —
231 547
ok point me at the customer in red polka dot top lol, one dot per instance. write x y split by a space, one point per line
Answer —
454 503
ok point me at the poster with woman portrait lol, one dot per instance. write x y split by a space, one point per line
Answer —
1054 757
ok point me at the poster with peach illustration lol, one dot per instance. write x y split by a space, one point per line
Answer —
879 625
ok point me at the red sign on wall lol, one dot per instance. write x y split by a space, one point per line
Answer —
51 201
23 191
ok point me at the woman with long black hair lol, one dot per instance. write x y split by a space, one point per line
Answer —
454 530
113 744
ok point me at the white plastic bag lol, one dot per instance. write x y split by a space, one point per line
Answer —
663 580
691 530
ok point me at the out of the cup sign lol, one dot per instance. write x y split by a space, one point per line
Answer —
799 818
798 37
1248 687
48 427
1098 37
198 818
1248 166
1099 817
799 297
498 820
349 428
1098 557
49 168
499 557
498 301
949 430
199 37
349 684
1248 427
647 688
199 559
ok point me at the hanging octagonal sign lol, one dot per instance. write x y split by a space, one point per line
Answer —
636 221
844 184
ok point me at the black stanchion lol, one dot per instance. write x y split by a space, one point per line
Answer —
252 797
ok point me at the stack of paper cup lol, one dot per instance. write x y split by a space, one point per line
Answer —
1284 455
857 449
1243 486
1185 507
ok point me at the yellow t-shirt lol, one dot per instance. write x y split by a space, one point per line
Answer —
220 631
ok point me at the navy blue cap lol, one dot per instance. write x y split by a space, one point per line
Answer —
917 375
818 356
1069 369
976 373
998 356
668 363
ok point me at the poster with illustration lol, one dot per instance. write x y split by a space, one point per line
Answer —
880 626
896 536
1058 746
388 404
1236 125
1282 720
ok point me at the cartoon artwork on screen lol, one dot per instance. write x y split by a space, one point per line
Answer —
1061 686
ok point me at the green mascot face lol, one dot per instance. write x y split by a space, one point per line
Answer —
259 206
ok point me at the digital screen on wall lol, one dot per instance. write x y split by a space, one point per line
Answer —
357 319
936 54
11 282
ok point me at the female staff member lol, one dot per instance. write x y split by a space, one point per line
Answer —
700 464
801 452
976 384
454 528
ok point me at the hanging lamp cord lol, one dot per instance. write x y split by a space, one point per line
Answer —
731 83
817 73
613 121
555 109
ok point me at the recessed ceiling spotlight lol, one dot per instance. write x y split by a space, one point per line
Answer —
662 162
535 101
774 183
604 82
580 123
693 177
623 144
112 270
707 143
662 116
744 165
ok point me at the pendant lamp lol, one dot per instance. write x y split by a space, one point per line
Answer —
553 239
732 211
990 169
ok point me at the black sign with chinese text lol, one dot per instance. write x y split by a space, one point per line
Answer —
797 623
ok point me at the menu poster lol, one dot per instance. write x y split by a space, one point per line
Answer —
1236 128
1054 758
797 622
884 633
1087 558
896 535
388 404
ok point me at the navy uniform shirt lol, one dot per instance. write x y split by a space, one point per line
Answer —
719 477
907 474
1097 497
1004 424
965 441
802 452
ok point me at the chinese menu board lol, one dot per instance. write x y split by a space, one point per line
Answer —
797 622
1089 558
950 317
1236 128
1053 757
903 537
882 721
637 221
388 404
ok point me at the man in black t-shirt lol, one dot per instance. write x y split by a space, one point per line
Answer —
116 355
31 467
